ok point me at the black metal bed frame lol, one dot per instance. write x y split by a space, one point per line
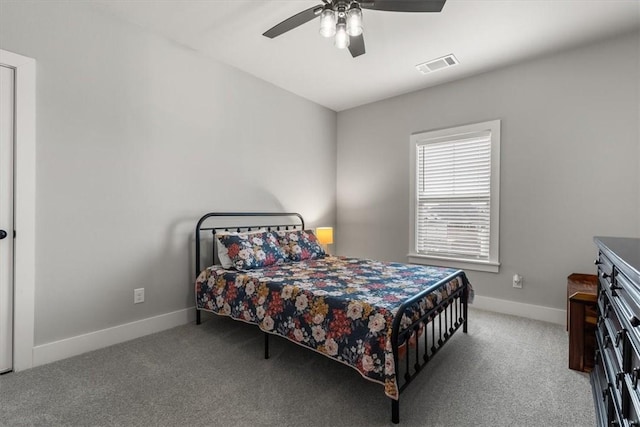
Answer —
453 308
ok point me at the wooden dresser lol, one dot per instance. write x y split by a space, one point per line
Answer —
616 375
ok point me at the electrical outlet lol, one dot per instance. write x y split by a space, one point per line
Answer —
138 295
517 281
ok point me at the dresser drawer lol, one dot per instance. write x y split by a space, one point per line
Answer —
601 394
600 390
630 404
610 328
612 370
614 412
632 369
629 297
605 266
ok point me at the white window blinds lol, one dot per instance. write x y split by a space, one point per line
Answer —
454 196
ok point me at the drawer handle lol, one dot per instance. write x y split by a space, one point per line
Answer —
619 337
597 262
614 287
605 275
607 341
635 322
634 376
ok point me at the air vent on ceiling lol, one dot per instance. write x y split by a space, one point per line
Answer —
437 64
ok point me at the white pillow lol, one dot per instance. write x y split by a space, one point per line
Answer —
223 252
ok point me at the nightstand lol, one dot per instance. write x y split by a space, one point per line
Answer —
582 316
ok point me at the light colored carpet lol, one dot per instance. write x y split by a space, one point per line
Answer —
507 371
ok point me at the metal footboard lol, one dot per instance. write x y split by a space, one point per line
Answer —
430 329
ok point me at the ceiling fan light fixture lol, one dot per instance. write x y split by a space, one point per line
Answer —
341 40
327 22
342 19
354 20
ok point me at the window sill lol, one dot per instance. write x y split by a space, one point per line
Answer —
463 264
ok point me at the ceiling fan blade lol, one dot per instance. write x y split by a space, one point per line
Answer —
293 22
404 5
356 45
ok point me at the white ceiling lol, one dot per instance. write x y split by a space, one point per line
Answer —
482 34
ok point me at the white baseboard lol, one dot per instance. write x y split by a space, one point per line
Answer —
58 350
529 311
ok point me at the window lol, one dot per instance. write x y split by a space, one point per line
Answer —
455 177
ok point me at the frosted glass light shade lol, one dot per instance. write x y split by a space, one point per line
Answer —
327 23
354 21
342 38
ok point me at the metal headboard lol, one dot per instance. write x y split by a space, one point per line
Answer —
295 222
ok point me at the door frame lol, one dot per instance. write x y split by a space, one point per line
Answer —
24 169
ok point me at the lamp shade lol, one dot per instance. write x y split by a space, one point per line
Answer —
325 235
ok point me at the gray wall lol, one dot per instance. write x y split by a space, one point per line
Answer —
136 139
569 164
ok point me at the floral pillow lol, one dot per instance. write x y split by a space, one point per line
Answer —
252 250
299 245
221 250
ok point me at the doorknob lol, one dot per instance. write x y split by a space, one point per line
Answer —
3 234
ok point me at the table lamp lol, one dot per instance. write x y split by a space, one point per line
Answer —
325 237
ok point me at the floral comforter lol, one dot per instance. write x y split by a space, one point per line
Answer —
341 307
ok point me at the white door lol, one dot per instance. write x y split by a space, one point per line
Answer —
7 103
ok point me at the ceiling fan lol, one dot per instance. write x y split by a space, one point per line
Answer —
342 19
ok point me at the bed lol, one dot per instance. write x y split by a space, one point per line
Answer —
385 320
